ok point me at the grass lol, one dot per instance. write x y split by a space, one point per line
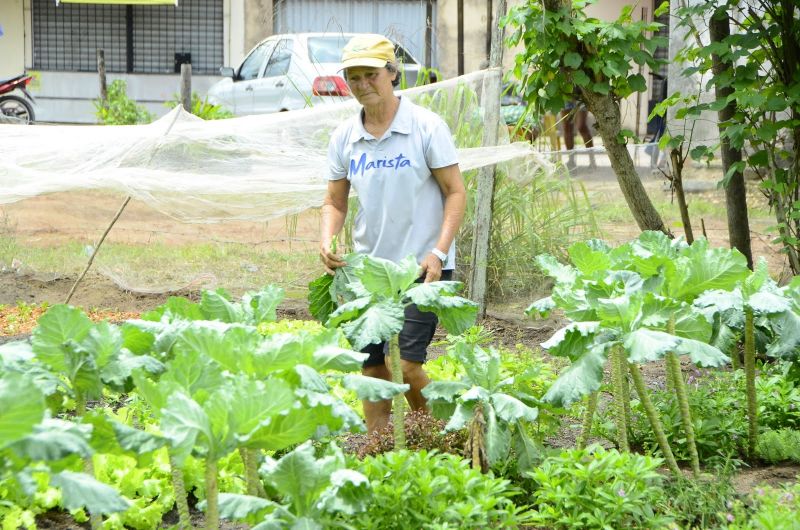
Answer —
160 266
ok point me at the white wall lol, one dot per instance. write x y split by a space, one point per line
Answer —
12 43
69 96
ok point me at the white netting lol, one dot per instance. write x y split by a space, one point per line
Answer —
233 202
249 168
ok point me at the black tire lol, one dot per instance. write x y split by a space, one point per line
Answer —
16 107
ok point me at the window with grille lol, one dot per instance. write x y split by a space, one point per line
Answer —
135 38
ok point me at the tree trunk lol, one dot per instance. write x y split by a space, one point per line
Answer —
735 191
609 123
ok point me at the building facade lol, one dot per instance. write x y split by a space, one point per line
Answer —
145 45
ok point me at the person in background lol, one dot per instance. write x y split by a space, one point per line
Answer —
401 161
576 115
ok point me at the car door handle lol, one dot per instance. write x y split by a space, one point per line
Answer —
249 88
279 83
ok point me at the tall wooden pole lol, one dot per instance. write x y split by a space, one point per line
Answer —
460 35
485 193
186 87
101 71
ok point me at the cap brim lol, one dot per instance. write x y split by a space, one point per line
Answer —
370 62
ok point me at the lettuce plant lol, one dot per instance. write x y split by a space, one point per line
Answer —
488 405
31 442
371 294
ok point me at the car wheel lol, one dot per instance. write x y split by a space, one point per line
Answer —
16 107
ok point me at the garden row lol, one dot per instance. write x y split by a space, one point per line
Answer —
129 425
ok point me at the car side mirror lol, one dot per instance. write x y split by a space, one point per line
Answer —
227 71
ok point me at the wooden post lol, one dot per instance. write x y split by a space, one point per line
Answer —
429 34
460 35
101 71
483 209
186 87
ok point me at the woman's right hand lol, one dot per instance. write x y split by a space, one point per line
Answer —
331 260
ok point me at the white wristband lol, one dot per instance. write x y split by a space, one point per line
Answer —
439 254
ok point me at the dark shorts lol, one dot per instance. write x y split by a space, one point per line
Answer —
415 336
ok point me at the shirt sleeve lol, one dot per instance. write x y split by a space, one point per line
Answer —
336 169
441 151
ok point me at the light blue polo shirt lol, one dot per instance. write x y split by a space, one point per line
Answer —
401 206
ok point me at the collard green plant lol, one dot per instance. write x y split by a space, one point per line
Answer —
314 493
228 387
371 295
486 404
756 296
630 305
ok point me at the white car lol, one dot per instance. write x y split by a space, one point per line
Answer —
293 71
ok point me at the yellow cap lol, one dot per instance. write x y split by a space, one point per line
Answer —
369 49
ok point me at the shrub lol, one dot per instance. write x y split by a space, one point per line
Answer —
694 503
596 488
719 418
433 490
201 107
766 508
779 446
120 109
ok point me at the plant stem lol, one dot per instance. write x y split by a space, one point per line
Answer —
750 380
617 358
655 423
212 504
179 489
399 401
679 387
253 481
686 413
736 362
95 520
626 390
476 441
588 416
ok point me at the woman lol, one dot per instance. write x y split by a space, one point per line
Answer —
402 163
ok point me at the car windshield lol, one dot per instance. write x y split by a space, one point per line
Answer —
326 49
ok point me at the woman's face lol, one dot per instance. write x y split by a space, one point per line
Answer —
370 86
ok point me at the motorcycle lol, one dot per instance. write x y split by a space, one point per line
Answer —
14 105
